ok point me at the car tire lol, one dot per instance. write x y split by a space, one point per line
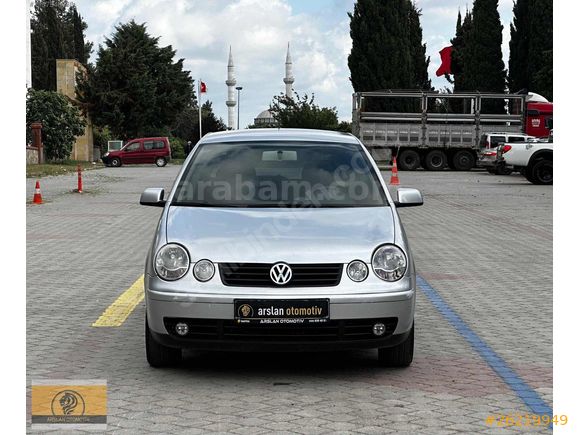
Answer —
542 172
160 161
116 162
408 160
435 160
462 160
159 355
400 355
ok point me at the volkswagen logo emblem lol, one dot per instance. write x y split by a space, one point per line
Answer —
280 273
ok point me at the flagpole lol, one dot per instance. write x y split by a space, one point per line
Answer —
199 105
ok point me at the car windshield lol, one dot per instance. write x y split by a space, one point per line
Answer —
279 175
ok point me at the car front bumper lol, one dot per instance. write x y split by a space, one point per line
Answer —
351 317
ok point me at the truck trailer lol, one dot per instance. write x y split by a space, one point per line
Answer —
434 130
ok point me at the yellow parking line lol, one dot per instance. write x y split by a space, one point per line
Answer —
118 311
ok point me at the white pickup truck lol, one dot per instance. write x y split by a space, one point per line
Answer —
532 159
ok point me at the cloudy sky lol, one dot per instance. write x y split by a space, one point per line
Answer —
258 31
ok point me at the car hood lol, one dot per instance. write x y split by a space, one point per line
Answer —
306 235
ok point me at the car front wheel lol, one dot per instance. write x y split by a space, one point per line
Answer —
400 355
115 162
157 354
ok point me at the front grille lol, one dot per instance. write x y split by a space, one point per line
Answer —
258 275
333 330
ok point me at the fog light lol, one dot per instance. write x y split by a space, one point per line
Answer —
183 329
379 329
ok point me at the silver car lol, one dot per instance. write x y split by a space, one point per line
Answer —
280 240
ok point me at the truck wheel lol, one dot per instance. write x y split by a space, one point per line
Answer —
542 172
409 160
463 160
400 355
157 354
435 160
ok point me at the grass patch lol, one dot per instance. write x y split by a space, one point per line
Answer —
65 167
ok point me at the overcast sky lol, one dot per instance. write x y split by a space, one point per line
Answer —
258 30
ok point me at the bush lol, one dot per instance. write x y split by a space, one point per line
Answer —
61 122
101 138
177 147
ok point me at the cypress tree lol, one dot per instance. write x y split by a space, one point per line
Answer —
518 77
540 66
418 51
57 32
483 64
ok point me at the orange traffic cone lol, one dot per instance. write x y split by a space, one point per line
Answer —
37 195
395 175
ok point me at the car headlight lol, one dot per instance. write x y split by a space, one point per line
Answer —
171 262
389 263
357 270
203 270
106 155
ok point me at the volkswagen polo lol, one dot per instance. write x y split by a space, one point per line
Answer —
279 240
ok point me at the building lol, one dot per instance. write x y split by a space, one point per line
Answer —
264 118
66 75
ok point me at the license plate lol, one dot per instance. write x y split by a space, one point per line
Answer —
281 311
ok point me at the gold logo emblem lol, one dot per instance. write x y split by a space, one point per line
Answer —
245 311
68 402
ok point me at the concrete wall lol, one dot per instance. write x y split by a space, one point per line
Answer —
66 70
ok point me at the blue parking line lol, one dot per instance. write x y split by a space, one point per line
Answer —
526 394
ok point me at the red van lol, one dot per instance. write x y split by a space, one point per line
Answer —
143 150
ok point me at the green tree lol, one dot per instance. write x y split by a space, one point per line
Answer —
186 124
518 77
420 60
303 113
483 66
61 122
540 60
57 32
380 57
135 86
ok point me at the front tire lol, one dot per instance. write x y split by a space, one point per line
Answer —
400 355
115 162
463 160
435 160
160 161
409 160
157 354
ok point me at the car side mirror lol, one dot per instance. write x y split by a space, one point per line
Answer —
154 196
408 197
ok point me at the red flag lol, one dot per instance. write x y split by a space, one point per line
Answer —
203 89
445 67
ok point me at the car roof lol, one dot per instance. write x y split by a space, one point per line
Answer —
507 134
277 134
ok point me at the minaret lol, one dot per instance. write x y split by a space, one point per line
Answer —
289 79
231 101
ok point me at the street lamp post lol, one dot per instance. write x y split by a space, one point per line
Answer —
239 88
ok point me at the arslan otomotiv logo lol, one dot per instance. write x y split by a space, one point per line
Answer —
68 402
245 311
280 273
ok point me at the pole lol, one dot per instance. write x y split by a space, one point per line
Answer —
79 179
199 105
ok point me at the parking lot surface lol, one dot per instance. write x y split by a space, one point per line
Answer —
483 339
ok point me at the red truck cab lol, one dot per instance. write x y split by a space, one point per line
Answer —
539 119
141 150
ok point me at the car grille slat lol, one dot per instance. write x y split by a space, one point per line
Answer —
333 330
258 275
